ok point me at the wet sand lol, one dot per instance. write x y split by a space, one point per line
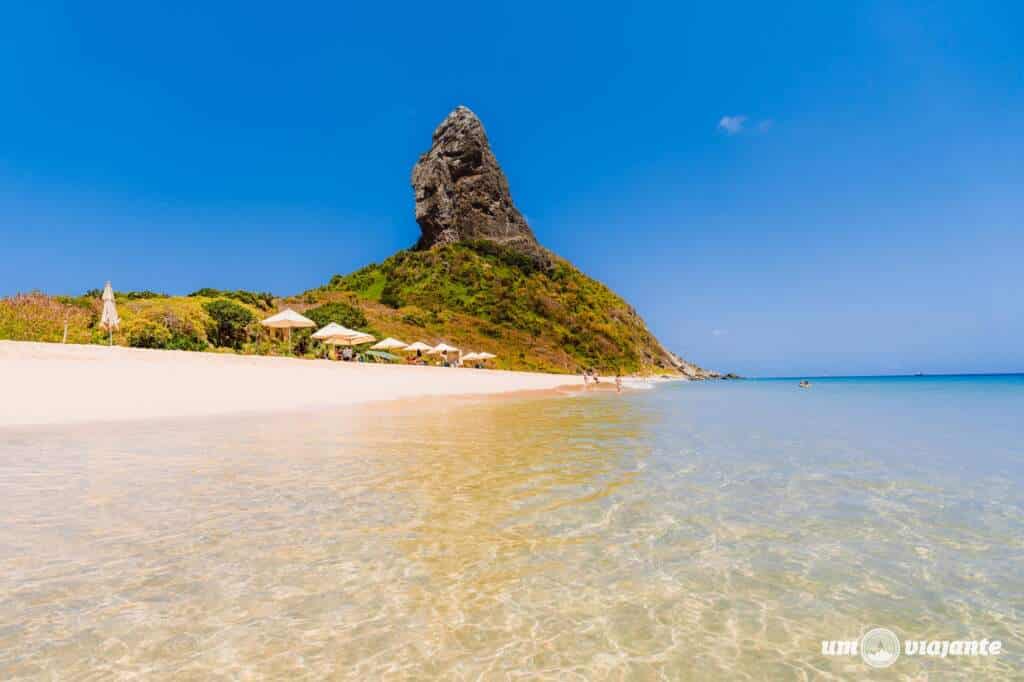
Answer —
51 384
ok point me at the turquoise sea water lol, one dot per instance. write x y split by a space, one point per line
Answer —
692 531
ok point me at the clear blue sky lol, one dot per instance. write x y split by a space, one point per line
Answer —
779 188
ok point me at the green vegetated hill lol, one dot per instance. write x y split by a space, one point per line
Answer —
482 296
477 296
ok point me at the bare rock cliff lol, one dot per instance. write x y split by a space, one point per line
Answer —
462 193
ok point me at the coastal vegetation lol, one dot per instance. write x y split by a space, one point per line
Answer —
477 295
544 317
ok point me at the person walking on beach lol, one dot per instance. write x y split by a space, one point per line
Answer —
618 382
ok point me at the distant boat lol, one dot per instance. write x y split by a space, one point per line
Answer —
805 384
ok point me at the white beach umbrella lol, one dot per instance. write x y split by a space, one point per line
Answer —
470 357
109 320
288 319
442 348
389 344
484 355
331 330
353 338
359 338
418 346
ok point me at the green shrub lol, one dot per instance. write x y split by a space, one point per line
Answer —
127 295
344 314
391 295
415 316
258 299
143 333
230 323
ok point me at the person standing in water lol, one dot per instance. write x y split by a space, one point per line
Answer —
618 382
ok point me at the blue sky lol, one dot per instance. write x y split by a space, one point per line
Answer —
779 188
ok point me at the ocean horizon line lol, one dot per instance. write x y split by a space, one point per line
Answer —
923 375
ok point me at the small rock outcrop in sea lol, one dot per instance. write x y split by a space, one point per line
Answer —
462 193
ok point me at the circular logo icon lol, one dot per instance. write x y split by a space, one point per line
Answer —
880 647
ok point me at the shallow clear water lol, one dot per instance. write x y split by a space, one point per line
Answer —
715 531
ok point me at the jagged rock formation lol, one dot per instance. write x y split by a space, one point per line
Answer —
462 194
479 276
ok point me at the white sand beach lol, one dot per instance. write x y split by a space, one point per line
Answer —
44 383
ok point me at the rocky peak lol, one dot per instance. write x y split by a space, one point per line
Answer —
462 193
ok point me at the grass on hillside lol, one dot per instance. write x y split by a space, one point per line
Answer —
490 298
478 297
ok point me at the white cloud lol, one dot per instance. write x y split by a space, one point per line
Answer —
741 124
718 332
732 125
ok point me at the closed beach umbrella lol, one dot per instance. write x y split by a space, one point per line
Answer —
109 320
389 344
288 319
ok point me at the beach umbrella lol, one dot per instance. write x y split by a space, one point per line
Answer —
352 339
470 357
109 320
442 348
418 346
287 319
331 330
483 356
389 344
359 338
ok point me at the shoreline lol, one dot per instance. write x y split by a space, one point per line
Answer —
50 384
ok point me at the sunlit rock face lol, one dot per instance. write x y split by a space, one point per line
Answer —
462 193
